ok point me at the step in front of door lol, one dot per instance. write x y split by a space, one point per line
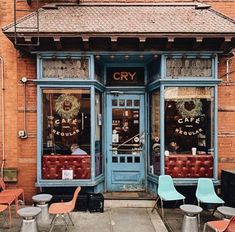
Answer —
108 203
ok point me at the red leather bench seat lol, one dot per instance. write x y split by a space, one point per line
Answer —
189 166
52 166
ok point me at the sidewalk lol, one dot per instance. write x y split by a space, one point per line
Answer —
119 220
112 220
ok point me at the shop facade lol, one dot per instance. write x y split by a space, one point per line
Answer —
129 115
114 111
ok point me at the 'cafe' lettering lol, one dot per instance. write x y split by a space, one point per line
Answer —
124 76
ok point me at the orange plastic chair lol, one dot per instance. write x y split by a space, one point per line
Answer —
8 200
17 192
221 225
62 208
2 209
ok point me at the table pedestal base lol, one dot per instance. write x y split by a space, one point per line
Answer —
29 225
190 224
44 216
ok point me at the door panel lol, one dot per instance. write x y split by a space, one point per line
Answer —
125 133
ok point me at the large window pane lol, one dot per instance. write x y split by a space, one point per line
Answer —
66 133
155 133
189 131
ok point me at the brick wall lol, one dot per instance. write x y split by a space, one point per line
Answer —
18 153
22 153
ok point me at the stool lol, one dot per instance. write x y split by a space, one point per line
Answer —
226 211
29 215
42 202
190 222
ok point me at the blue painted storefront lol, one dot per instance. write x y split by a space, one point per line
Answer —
117 174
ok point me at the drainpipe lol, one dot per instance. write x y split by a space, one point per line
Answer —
3 116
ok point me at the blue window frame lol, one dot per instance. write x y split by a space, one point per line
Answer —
170 82
87 82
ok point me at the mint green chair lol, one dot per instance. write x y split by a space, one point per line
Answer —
167 192
205 192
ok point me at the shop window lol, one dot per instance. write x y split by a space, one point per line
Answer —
189 131
66 68
188 67
155 133
66 133
98 134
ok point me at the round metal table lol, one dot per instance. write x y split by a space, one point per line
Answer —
42 202
190 222
226 211
29 215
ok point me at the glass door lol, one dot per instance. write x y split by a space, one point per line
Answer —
125 137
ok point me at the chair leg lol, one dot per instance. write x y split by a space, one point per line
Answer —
4 215
162 208
66 224
70 219
9 215
175 204
53 218
215 208
23 197
198 216
53 222
155 205
204 227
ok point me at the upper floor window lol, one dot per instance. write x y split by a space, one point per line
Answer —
66 68
188 67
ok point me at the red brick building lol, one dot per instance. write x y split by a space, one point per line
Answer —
122 80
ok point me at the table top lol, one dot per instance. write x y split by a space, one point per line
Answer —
29 212
42 198
226 211
191 209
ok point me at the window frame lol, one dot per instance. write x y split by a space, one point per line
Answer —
92 85
165 82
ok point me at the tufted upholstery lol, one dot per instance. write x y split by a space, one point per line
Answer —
189 166
52 166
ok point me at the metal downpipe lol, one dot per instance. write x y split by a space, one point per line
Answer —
3 115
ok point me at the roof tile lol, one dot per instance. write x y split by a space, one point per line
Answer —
127 19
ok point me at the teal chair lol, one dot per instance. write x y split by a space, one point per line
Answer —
167 192
205 193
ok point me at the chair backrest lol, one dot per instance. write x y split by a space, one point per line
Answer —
165 184
75 196
2 184
205 187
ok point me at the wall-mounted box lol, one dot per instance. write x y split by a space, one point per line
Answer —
10 174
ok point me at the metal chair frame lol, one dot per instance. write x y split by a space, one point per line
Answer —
172 188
